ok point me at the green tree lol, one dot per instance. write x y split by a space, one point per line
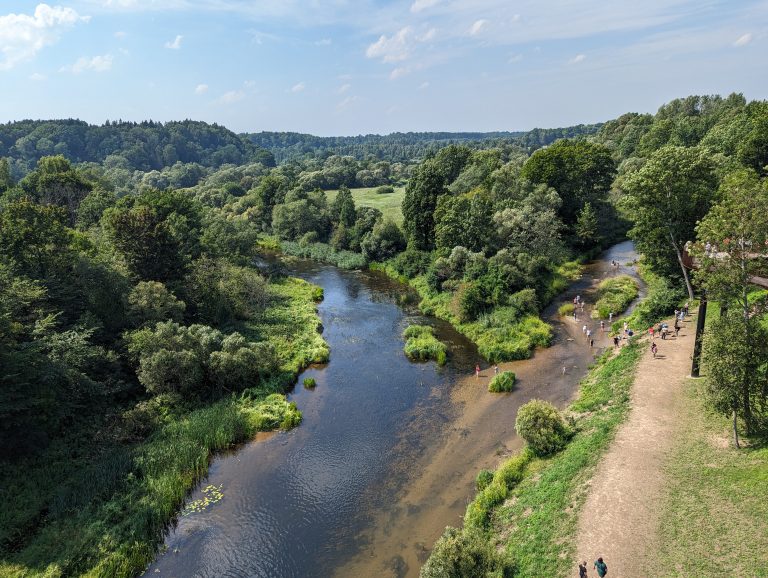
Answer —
6 180
733 249
736 352
665 199
586 226
150 302
384 241
580 172
343 208
55 182
542 426
421 195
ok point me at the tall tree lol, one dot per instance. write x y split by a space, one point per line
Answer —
733 249
665 199
580 172
421 195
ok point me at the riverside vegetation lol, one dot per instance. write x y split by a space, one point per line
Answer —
132 319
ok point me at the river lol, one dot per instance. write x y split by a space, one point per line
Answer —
388 450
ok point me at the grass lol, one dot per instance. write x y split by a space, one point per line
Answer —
310 382
566 309
325 253
91 506
422 345
504 381
389 204
615 295
714 519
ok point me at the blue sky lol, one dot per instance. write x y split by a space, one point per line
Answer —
340 67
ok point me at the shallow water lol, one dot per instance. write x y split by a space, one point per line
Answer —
388 450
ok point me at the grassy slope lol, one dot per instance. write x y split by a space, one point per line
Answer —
91 506
715 516
389 204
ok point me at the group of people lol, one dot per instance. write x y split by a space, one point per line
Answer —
600 567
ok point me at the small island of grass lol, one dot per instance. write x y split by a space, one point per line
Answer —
504 381
615 295
422 345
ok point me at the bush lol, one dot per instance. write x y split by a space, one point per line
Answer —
505 381
384 241
566 309
460 554
484 477
309 382
541 425
385 190
411 263
615 295
422 344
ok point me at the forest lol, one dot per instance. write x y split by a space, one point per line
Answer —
137 336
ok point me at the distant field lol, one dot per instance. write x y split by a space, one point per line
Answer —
388 204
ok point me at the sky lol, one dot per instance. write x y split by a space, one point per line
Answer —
347 67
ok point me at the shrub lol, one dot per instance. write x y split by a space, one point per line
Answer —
383 241
566 309
505 381
385 190
309 382
541 425
422 344
615 295
484 477
411 262
460 554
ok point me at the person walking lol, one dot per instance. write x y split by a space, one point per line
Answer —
685 308
584 329
496 369
654 349
602 326
589 333
615 340
650 332
477 371
591 343
610 317
601 567
583 570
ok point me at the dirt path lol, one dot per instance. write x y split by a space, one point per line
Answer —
619 520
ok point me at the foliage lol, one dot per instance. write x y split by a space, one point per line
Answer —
325 253
666 197
421 344
421 196
566 309
150 302
462 555
735 352
580 172
309 382
614 295
384 241
505 381
541 425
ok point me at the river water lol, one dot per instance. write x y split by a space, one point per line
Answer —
388 450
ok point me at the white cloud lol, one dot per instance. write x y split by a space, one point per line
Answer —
324 42
398 73
515 58
22 36
37 77
93 64
578 58
428 35
420 5
392 49
120 34
344 88
232 96
423 86
477 27
743 40
346 103
298 87
175 44
201 89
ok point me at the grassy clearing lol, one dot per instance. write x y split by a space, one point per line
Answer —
389 204
92 506
615 295
566 309
422 345
530 508
714 520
